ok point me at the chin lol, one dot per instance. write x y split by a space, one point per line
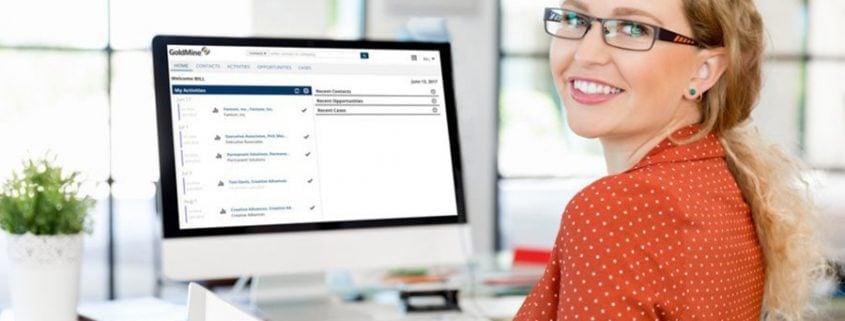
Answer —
584 128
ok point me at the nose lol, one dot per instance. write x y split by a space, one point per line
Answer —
592 50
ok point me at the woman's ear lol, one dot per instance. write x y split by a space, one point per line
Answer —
712 64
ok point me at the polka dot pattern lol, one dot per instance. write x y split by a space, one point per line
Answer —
672 238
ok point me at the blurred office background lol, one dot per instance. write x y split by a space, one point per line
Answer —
76 78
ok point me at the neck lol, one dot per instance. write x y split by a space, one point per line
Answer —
620 154
624 151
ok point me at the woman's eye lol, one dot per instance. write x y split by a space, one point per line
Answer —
635 29
574 20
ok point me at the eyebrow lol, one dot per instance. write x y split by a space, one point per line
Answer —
622 11
577 4
635 12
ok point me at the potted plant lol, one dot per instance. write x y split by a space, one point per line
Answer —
44 218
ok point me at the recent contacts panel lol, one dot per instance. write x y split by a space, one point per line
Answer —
286 135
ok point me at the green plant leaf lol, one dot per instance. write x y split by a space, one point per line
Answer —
42 199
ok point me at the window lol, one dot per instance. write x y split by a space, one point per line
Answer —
77 80
57 100
825 104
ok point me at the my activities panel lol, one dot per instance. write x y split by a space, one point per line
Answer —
285 135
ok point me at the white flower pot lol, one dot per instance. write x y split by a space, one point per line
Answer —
44 276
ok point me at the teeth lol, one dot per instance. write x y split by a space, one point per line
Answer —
592 88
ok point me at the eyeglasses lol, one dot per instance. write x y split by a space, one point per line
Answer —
619 33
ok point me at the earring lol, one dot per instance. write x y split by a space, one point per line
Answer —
694 94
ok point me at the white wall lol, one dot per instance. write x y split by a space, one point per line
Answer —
286 18
472 25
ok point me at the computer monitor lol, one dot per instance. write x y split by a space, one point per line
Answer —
283 156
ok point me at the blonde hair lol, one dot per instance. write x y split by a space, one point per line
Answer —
771 182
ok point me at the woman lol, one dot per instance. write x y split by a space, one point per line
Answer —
698 219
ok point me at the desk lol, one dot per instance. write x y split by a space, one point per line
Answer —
141 309
6 315
151 309
494 308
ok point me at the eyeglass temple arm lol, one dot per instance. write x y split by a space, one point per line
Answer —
670 36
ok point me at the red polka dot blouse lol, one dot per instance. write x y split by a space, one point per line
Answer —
672 238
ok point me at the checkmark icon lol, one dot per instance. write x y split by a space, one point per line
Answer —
310 180
313 207
306 136
304 110
307 154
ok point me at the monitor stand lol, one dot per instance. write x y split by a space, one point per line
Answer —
303 297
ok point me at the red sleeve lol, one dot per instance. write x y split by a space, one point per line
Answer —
542 303
614 258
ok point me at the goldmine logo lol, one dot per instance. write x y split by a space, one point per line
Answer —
190 52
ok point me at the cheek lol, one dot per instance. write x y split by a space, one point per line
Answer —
656 79
560 57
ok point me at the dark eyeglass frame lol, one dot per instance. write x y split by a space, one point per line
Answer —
659 32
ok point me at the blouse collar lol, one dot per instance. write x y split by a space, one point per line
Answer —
667 151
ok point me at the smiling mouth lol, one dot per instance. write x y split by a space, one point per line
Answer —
594 88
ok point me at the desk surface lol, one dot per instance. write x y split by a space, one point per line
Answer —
152 309
6 315
140 309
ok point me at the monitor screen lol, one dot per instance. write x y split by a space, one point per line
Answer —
261 135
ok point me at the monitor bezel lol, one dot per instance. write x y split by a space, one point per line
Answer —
168 191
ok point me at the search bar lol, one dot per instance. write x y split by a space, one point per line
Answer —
309 54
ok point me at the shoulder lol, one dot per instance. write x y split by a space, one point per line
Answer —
623 206
623 230
623 193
